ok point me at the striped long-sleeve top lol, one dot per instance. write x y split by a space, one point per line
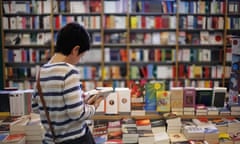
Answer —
62 93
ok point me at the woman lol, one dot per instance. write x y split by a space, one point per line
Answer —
61 90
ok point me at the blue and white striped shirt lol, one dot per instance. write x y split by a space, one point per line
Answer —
62 93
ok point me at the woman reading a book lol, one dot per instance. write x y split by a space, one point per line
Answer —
59 97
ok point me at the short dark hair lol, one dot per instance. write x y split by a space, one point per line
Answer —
71 35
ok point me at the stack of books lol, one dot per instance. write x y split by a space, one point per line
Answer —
211 134
161 138
129 131
34 130
193 132
114 130
212 110
145 131
174 125
201 109
235 109
158 126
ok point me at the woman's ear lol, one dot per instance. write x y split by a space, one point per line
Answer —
75 50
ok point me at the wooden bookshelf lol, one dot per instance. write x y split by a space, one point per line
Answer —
172 13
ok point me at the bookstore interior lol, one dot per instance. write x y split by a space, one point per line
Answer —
174 66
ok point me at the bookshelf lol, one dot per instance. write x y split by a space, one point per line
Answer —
131 41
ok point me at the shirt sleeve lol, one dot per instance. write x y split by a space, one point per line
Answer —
72 93
35 102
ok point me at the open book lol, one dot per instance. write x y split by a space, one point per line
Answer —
99 91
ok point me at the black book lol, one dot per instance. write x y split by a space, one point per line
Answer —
204 96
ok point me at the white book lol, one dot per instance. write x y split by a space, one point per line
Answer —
156 38
111 103
5 24
47 6
124 99
110 7
13 22
77 7
47 22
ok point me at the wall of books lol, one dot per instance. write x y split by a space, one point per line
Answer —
180 42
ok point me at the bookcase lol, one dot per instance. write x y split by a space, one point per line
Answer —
180 42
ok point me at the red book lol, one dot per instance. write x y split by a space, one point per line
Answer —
158 22
143 19
57 22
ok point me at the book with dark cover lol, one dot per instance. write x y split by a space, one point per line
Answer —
204 96
219 96
4 102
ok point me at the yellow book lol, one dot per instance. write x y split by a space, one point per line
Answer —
163 101
133 21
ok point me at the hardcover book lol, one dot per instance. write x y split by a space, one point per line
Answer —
150 95
111 103
204 96
163 101
219 96
189 96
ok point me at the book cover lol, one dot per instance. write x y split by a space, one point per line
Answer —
204 96
163 101
189 96
150 95
124 99
111 103
219 96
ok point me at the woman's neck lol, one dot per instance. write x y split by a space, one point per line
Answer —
58 58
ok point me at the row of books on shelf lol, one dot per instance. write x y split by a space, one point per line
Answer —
233 23
37 38
201 22
149 71
202 7
30 55
44 7
26 23
233 7
153 38
22 129
119 22
167 131
89 22
152 22
185 22
90 83
133 55
43 22
157 55
169 38
120 6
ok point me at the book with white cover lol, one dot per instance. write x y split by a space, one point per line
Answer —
124 99
111 103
